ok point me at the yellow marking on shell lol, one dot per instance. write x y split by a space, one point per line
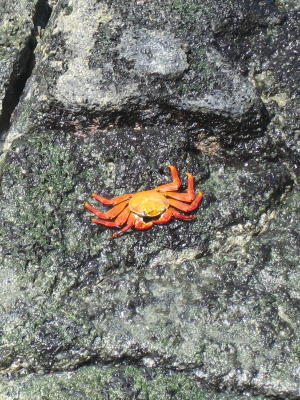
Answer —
148 203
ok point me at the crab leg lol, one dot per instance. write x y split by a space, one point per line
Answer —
105 223
165 217
123 217
187 207
175 185
116 224
141 225
130 224
114 201
120 220
112 213
189 195
169 214
177 215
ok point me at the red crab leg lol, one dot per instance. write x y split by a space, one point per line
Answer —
120 220
141 225
105 223
169 214
130 224
165 217
112 213
175 185
189 195
114 201
116 224
177 215
187 207
123 217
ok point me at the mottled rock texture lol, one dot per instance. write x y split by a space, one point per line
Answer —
207 309
19 23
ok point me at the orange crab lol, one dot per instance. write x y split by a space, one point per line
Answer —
161 202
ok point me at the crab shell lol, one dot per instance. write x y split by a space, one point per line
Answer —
148 203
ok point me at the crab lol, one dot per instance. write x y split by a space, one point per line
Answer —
158 206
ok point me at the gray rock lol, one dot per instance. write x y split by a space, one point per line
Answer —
19 22
154 52
119 91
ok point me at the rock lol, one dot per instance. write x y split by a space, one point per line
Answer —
119 91
19 24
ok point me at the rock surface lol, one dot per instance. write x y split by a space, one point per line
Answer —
207 309
19 22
